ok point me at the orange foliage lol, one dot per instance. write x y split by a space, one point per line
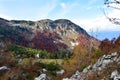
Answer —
108 46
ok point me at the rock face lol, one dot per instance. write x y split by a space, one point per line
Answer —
115 75
4 68
105 60
52 36
77 76
98 66
42 77
60 72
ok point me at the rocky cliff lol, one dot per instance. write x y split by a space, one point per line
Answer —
106 68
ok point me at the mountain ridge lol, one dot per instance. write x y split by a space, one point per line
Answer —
59 33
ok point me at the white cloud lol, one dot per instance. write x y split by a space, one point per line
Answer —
115 14
45 9
89 8
92 2
5 16
67 8
40 12
101 23
2 14
63 5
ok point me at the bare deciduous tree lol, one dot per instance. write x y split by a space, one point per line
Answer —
113 4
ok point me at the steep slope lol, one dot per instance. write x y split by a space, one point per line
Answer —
52 36
106 68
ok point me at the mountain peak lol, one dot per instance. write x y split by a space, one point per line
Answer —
62 21
45 20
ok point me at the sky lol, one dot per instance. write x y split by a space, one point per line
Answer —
88 14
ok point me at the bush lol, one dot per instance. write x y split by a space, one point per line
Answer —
98 53
84 65
42 65
49 67
52 67
27 52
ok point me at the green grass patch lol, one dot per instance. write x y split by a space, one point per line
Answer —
48 61
27 52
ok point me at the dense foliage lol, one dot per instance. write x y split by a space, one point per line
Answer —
29 52
108 46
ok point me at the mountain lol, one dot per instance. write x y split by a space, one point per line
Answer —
55 50
49 35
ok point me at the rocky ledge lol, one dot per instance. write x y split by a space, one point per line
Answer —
100 65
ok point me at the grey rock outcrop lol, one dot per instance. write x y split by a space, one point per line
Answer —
4 68
41 77
60 72
105 60
98 66
115 75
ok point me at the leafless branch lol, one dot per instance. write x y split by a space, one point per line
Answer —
111 4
